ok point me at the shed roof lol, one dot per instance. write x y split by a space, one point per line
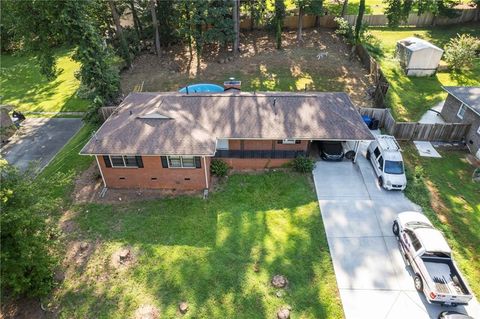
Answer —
417 44
191 124
469 95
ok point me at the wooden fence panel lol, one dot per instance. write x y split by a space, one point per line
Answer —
413 131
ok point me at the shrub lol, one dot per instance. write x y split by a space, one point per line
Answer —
303 164
219 168
28 238
460 51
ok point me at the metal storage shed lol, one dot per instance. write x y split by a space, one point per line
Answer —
418 57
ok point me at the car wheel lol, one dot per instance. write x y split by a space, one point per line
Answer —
418 283
368 155
350 155
380 182
442 315
395 228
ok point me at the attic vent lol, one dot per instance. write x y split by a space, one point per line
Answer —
154 115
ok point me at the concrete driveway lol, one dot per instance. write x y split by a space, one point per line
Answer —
39 140
371 274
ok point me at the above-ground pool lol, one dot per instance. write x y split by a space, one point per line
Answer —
202 87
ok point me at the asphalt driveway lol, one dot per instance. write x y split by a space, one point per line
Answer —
371 274
39 140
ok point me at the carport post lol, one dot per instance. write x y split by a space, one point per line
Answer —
357 144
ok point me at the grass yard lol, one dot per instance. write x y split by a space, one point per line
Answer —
22 85
206 252
447 194
410 97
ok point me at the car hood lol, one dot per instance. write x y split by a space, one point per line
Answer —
396 179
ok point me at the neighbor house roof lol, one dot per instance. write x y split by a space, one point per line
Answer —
469 95
175 123
417 44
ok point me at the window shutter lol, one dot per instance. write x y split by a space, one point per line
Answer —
164 161
106 159
298 141
139 161
198 162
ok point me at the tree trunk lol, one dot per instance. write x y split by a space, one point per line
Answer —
344 8
136 21
358 24
300 25
236 26
155 27
119 33
252 14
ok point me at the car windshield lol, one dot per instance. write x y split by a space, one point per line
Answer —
414 225
394 167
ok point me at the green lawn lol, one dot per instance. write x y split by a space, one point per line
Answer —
22 85
447 194
204 252
410 97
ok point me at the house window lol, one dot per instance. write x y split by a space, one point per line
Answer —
181 161
461 111
288 141
125 161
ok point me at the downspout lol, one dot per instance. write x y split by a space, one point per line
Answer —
101 172
206 173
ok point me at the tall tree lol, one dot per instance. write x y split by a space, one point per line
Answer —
359 22
136 21
278 22
236 25
153 12
344 8
119 34
43 25
301 12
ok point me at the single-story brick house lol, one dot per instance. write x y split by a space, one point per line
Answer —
463 106
167 140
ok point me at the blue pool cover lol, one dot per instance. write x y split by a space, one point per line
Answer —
202 87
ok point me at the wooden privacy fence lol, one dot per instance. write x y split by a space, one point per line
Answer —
381 83
423 20
327 21
413 131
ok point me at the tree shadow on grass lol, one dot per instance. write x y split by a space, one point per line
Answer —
256 221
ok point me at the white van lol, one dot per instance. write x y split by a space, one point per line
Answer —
384 154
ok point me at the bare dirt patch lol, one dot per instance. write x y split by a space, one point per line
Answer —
437 203
88 185
147 312
123 258
23 308
260 66
67 223
78 253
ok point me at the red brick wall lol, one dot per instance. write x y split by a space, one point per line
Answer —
166 178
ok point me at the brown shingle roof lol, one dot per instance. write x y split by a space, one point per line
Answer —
190 124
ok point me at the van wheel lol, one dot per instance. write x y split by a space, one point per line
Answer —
418 283
350 155
368 154
395 228
380 182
